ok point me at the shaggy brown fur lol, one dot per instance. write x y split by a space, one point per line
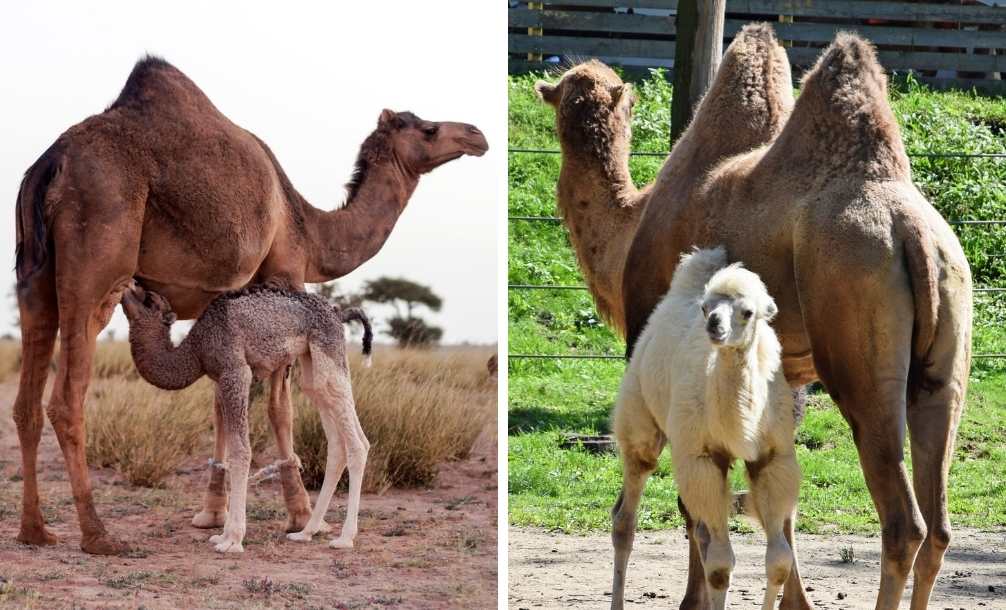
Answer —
258 333
874 291
163 187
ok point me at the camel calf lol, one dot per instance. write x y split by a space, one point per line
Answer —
707 370
259 333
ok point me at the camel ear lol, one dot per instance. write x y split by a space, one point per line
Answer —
386 118
548 93
769 310
620 92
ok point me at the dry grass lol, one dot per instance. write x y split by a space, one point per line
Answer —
418 408
143 432
10 358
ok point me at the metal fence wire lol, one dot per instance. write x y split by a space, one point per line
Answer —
600 357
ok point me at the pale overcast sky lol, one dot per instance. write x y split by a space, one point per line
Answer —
308 78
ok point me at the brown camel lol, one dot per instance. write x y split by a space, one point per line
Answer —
874 291
163 187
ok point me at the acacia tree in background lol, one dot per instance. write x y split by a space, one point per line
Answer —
330 290
405 296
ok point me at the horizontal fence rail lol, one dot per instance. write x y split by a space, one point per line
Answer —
945 45
924 155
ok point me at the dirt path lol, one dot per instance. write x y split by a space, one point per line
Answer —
426 548
560 571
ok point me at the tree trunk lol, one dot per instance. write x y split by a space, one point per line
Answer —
697 56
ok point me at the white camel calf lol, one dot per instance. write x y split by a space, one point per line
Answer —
707 371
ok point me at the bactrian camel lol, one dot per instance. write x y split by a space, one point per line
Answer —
162 187
258 333
816 197
708 370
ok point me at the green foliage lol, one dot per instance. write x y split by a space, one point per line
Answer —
413 332
396 290
330 290
572 490
406 328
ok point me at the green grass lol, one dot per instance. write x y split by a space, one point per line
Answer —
572 490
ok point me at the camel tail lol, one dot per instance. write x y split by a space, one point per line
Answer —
921 262
355 313
32 246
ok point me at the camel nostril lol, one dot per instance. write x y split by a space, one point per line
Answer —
474 130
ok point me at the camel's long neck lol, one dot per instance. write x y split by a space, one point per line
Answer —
158 360
601 208
343 239
736 395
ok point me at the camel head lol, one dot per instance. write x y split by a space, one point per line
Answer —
734 304
593 109
422 146
142 305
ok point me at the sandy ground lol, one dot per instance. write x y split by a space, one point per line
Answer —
425 548
559 571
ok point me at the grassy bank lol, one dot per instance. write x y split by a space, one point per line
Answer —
572 490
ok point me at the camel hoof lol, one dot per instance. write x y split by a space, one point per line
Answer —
324 528
788 603
297 521
340 543
214 539
36 536
209 519
229 546
299 536
103 544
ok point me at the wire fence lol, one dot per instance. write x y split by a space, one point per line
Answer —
992 223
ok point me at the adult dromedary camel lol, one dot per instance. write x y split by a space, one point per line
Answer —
873 288
163 187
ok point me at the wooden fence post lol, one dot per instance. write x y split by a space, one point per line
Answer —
535 6
697 54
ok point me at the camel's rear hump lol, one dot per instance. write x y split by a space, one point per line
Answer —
842 124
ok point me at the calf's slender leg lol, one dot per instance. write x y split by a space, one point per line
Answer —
232 392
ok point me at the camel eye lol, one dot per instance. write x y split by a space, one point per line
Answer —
747 313
430 131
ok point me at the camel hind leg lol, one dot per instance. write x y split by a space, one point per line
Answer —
932 426
329 387
39 325
298 504
639 444
335 463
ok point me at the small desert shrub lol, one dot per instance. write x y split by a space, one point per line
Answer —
417 408
143 432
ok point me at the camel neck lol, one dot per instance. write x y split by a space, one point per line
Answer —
736 388
343 239
601 207
158 361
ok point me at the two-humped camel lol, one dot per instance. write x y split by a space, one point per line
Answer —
873 288
162 187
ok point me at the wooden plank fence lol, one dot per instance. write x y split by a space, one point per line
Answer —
946 45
